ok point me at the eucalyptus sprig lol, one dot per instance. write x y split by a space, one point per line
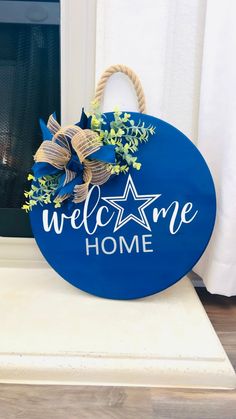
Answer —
125 134
43 192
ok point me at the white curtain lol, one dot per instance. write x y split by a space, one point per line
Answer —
217 141
162 41
185 57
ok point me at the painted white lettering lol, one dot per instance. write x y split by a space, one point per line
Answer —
128 248
172 225
101 223
113 249
146 243
187 208
74 216
102 216
88 214
164 211
89 246
113 243
53 223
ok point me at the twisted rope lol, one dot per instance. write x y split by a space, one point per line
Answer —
120 68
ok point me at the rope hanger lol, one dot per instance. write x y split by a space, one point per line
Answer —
120 68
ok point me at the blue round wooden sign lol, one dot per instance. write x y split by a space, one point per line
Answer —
138 233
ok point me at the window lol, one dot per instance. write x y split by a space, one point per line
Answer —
29 89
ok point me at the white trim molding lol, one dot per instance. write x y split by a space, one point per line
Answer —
78 51
18 251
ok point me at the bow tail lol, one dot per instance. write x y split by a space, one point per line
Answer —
70 175
99 170
96 173
52 124
66 187
81 191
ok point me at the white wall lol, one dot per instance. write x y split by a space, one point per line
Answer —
162 41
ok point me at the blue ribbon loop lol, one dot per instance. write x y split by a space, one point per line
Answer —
106 154
47 135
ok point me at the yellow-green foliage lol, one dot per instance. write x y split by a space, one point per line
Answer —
42 193
124 134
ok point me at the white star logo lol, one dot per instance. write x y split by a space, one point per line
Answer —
131 192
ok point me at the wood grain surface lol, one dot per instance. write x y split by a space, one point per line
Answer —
84 402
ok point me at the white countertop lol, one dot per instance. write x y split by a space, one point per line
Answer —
53 333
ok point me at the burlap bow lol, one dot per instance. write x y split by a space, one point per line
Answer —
78 154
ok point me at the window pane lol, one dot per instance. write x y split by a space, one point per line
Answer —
29 89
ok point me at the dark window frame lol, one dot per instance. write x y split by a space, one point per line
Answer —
15 222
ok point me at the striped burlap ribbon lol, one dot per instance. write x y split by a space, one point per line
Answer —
57 152
72 147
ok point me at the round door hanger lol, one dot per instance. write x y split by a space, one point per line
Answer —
139 232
